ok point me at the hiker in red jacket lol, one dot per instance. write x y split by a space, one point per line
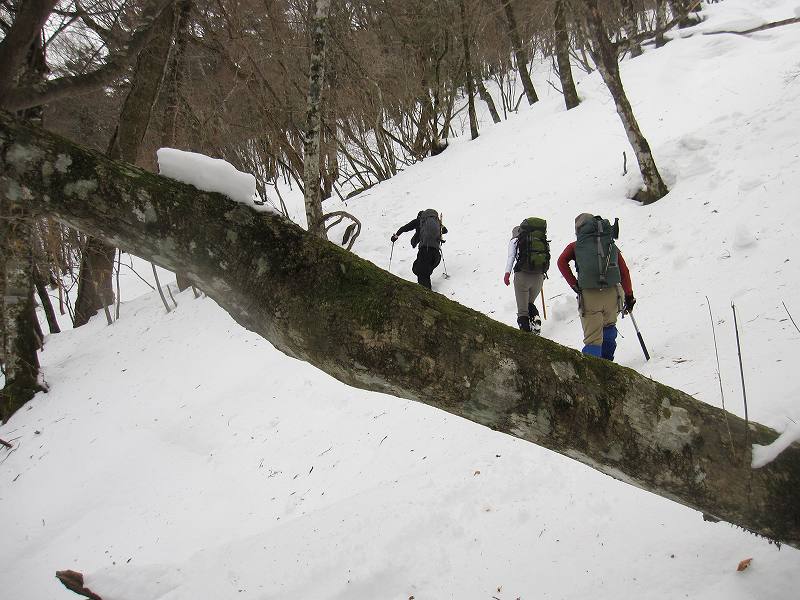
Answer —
603 283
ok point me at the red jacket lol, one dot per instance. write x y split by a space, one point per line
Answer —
569 254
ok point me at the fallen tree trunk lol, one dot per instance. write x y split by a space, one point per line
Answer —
375 331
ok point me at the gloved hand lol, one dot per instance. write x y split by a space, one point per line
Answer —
394 238
507 278
629 302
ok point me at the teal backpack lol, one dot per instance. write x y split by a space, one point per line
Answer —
596 254
533 247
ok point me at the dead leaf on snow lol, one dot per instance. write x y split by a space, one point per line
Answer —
744 564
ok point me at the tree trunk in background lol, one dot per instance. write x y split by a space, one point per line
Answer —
14 48
661 20
95 281
630 26
681 7
316 76
426 129
473 117
329 155
41 290
487 98
562 57
172 87
605 57
375 331
520 55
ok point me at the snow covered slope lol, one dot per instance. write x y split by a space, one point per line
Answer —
181 457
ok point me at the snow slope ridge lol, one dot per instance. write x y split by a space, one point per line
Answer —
179 456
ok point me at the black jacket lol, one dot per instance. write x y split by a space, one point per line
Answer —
413 225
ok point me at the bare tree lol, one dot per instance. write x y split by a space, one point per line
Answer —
520 54
604 55
470 83
562 56
316 76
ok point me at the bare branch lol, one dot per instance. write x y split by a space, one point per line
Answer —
115 65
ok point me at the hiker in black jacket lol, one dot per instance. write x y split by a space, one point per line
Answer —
428 231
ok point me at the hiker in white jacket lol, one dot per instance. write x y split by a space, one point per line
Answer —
528 258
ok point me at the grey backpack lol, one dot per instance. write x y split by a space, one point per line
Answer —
430 229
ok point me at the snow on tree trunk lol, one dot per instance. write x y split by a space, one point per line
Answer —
605 57
316 75
375 331
562 57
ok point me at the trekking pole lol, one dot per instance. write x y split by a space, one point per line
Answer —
444 264
544 308
390 258
639 335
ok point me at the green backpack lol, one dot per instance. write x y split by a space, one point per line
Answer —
596 254
533 247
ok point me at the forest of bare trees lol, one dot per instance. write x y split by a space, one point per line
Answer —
329 97
362 89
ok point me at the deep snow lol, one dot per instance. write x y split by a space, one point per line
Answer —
179 456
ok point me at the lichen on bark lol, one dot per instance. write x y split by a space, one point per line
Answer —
375 331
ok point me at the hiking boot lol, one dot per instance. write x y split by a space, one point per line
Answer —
536 325
524 323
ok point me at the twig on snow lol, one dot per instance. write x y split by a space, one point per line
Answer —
790 316
719 378
759 28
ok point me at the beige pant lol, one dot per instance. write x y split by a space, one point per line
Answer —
598 309
526 288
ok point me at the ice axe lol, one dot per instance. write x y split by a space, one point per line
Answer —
391 252
639 335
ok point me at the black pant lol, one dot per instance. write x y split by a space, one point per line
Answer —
428 258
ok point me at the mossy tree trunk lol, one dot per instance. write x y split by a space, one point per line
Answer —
20 332
375 331
18 329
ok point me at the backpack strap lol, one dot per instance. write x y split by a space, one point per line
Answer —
598 233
